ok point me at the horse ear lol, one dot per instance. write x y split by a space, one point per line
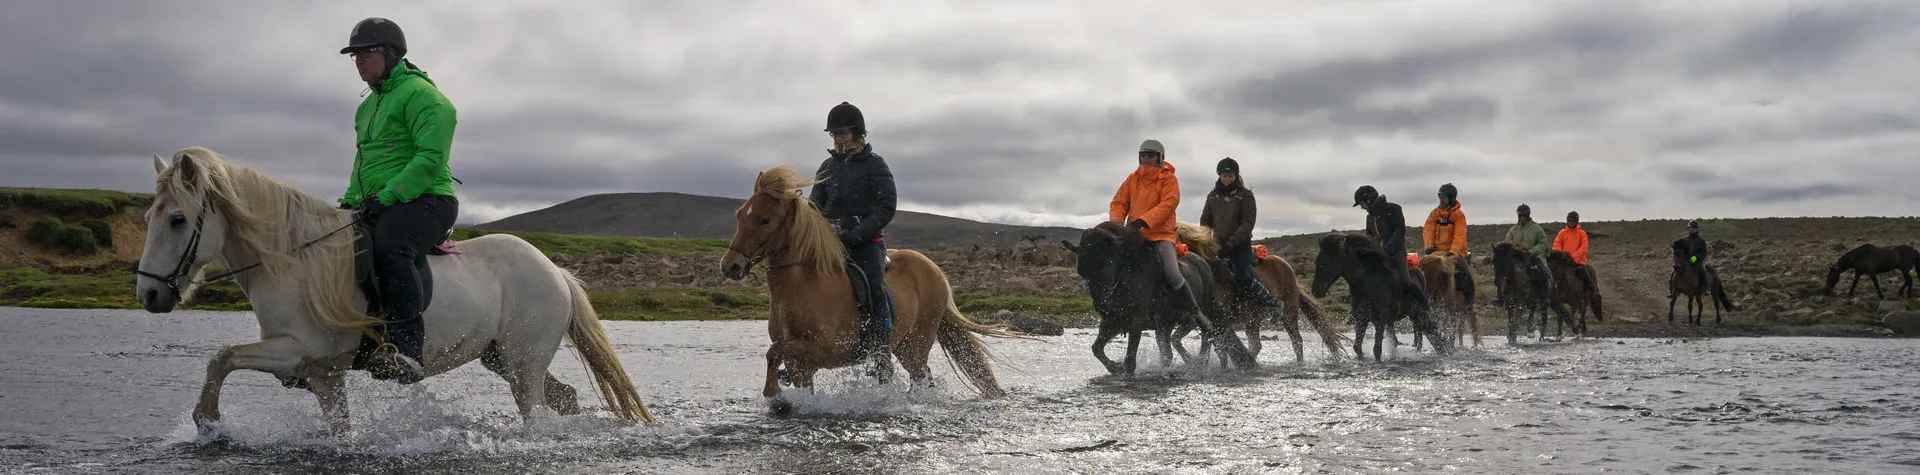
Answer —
159 164
1070 247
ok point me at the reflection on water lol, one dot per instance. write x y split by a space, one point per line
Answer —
109 391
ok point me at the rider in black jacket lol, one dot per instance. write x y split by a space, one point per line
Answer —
1386 223
856 194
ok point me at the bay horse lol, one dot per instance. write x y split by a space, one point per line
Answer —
815 320
1129 291
1276 274
1377 296
500 300
1569 298
1446 302
1872 261
1520 294
1686 282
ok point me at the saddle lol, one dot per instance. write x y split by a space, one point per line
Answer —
368 280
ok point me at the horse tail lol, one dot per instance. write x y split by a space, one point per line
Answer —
1720 293
1314 316
960 339
590 343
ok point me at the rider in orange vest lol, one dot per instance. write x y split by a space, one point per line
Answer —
1145 203
1573 241
1446 231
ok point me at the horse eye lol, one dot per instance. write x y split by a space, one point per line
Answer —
766 221
179 220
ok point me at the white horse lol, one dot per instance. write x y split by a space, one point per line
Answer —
500 300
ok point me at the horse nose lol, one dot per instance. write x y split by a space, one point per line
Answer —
151 295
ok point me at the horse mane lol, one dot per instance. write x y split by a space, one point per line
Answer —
268 220
811 240
1199 239
1437 265
1559 257
1856 254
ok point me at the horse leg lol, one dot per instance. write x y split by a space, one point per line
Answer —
1133 352
1378 339
331 391
1855 284
274 355
1253 336
1359 338
773 370
1107 333
1179 346
1670 301
1292 323
1876 286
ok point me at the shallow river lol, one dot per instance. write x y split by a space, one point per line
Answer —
109 392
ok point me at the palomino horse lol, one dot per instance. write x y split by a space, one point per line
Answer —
1873 260
1686 282
1129 291
815 319
1276 274
1447 303
1378 295
1520 294
500 300
1568 293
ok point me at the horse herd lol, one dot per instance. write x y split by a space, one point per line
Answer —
502 302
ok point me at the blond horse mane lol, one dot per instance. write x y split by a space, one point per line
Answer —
811 241
268 220
1199 239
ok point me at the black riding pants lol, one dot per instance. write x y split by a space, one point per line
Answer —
1241 259
871 257
401 236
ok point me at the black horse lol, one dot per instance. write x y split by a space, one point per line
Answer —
1522 293
1130 293
1377 296
1686 281
1873 260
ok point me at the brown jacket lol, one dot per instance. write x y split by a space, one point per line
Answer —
1230 214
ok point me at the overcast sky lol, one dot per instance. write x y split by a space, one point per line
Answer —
1019 112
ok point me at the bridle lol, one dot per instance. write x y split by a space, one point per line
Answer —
786 224
185 266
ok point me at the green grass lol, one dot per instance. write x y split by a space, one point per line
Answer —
677 303
95 203
580 244
28 287
1053 303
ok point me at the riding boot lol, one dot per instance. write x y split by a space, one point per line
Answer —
1463 280
399 359
876 338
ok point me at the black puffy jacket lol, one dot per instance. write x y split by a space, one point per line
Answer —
856 193
1385 222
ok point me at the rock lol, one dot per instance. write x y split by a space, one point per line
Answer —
1827 316
1766 315
1033 325
1630 319
1894 306
615 259
1903 322
1882 331
1024 284
1838 247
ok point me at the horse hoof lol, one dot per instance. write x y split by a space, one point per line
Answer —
780 407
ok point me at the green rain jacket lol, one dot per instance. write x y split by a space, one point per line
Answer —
404 133
1530 235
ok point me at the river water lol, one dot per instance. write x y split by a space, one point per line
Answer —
92 391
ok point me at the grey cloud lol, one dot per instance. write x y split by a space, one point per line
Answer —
1806 41
1768 194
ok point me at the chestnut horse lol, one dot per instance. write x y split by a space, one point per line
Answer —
1239 310
1686 282
815 322
1568 292
1448 304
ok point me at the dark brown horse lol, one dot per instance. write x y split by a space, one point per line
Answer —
1520 294
1130 293
1873 260
1377 294
1686 282
1569 298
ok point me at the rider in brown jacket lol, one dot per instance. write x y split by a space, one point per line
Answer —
1230 213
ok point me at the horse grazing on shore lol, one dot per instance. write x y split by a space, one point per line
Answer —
815 319
1377 296
1446 302
1276 274
499 300
1686 281
1521 295
1872 261
1130 293
1569 298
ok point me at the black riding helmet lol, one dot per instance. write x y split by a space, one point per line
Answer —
1693 224
1364 194
846 115
1524 209
376 32
1227 165
1573 215
1450 191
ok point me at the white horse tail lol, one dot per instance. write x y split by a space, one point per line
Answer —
590 341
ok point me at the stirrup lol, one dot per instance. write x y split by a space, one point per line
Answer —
389 363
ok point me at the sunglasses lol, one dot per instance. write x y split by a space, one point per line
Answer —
1149 154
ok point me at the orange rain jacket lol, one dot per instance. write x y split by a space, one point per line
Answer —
1149 194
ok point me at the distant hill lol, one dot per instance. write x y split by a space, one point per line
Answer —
670 215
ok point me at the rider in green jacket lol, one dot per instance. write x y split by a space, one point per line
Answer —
1529 235
401 184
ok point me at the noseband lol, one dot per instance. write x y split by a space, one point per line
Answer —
185 265
786 224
